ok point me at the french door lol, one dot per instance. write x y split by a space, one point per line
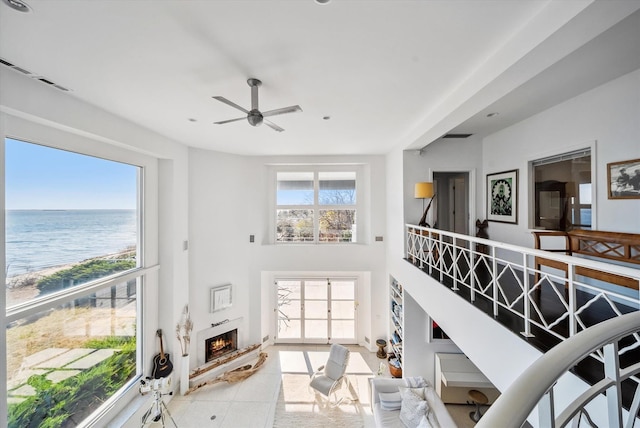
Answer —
316 310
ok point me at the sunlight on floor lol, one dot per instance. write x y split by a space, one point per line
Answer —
297 400
279 394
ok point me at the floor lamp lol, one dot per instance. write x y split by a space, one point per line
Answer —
424 190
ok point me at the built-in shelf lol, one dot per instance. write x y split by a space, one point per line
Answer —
396 303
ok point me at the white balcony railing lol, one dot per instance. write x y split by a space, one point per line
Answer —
492 269
505 277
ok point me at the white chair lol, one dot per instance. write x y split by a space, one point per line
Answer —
328 379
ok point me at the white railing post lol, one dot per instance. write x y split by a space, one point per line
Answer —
408 231
422 246
494 281
526 310
573 322
472 279
456 267
433 255
613 393
440 257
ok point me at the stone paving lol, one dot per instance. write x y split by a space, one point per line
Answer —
57 364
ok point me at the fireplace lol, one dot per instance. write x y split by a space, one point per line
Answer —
221 344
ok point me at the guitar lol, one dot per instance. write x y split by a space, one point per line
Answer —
162 365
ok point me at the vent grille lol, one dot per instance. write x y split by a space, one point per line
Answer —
457 135
33 76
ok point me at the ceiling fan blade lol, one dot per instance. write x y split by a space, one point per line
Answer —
229 121
231 103
290 109
272 125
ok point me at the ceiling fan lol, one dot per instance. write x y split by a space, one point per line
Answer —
254 116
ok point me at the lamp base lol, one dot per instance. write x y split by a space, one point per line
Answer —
423 220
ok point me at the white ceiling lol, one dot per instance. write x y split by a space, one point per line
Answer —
387 73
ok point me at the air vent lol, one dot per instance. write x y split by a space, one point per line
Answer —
21 70
33 76
457 135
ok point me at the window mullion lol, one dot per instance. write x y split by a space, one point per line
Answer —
316 207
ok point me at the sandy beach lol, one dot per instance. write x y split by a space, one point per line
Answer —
22 288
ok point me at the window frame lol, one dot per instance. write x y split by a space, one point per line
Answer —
146 272
317 169
558 156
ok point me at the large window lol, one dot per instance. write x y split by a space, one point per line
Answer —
316 206
72 283
562 192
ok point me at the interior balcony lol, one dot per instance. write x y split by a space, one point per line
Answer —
504 311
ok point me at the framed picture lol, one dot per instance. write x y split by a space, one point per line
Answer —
502 196
624 179
220 298
436 333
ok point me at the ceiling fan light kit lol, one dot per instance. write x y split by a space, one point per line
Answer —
254 116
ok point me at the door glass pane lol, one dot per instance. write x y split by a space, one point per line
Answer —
294 188
343 329
315 309
77 354
315 329
289 329
289 289
294 226
343 290
342 309
337 188
337 226
315 290
289 309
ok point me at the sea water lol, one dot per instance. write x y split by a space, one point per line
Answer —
38 239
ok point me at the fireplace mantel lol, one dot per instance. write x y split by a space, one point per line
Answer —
202 335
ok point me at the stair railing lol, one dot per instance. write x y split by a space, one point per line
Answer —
535 387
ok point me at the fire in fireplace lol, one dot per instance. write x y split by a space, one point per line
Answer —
222 344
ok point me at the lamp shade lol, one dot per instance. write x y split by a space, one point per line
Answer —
423 190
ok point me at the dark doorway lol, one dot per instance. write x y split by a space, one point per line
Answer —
452 203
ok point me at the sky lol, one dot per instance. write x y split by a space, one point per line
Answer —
39 177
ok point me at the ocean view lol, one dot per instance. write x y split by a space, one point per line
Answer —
38 239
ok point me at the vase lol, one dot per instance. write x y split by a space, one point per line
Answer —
184 375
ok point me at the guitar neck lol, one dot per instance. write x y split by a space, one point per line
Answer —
159 333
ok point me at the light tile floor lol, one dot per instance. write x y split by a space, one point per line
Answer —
251 403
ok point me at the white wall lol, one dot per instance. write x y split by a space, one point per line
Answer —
444 155
228 202
608 115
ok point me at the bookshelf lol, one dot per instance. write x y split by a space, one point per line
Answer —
396 338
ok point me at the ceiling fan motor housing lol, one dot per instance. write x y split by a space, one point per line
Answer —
254 117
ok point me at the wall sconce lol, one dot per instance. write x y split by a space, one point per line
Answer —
424 190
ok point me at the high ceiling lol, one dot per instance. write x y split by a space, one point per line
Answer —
369 75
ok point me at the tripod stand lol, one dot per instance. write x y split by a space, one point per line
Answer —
157 410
